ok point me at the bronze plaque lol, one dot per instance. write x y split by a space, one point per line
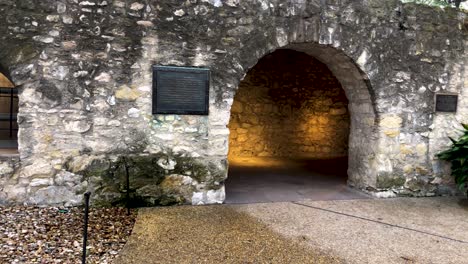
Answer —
180 90
446 102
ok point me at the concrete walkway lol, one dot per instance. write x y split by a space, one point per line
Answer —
403 230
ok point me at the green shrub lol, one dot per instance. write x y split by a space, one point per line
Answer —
458 156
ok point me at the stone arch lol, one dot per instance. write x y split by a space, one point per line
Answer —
19 62
363 115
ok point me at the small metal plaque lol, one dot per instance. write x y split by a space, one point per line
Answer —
180 90
446 102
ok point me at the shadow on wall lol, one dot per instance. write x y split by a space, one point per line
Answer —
289 105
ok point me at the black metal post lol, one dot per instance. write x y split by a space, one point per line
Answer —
85 229
127 187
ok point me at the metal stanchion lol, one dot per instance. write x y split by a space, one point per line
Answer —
128 186
85 228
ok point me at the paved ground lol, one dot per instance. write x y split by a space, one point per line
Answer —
403 230
210 234
254 180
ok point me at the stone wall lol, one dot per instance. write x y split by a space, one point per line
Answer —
83 70
289 105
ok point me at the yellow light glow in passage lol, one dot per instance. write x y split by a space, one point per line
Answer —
4 82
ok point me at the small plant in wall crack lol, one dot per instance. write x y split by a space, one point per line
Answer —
458 156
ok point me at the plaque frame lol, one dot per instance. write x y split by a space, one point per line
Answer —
440 109
203 74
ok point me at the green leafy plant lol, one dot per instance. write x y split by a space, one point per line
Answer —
458 156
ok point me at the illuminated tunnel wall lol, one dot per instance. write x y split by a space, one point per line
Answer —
5 109
289 105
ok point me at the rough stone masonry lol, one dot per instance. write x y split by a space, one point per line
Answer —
289 105
83 70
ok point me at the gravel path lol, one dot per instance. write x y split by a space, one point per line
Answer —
400 231
211 234
54 235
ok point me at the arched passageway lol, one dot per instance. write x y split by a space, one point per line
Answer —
289 105
8 116
289 132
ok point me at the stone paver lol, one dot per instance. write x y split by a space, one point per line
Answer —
402 230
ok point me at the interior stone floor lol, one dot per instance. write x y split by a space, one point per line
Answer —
8 147
263 180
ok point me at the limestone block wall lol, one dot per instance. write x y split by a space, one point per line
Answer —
289 105
83 70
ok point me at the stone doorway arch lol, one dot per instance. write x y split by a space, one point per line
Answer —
361 108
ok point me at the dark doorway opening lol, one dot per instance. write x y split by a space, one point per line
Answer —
289 133
8 116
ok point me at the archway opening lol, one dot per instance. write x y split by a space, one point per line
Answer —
8 116
289 131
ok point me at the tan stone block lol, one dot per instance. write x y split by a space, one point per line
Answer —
406 150
391 122
48 138
369 121
233 125
258 148
242 130
327 102
267 108
69 45
253 120
323 120
56 154
408 169
242 138
233 134
312 120
338 111
257 130
127 94
236 107
392 133
421 170
421 149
